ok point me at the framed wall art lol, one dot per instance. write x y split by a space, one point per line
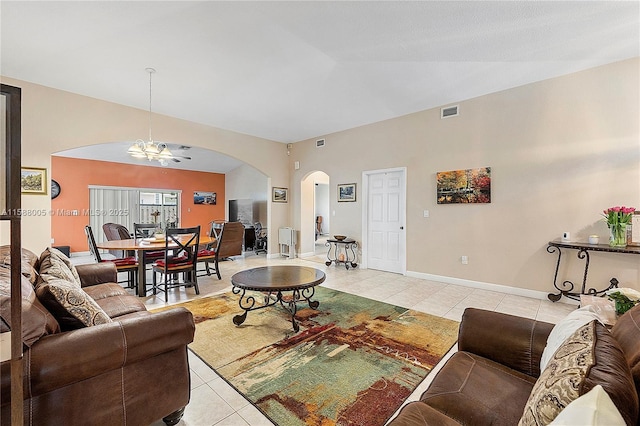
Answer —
346 192
202 197
280 195
470 186
33 180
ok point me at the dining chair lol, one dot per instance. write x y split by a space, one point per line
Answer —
123 264
146 230
229 243
115 231
180 256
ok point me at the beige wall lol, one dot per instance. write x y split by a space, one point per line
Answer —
245 182
560 150
54 120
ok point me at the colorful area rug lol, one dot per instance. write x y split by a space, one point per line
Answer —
354 361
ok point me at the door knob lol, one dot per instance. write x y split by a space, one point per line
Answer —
402 227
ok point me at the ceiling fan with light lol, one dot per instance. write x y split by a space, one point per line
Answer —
177 158
154 151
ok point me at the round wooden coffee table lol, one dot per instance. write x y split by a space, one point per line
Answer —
273 281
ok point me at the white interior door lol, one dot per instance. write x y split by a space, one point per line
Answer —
385 221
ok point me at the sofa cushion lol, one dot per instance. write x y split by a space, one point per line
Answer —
627 333
600 362
69 303
55 264
565 328
420 414
37 321
28 262
561 380
594 408
469 384
115 300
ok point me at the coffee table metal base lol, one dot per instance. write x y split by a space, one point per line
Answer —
248 303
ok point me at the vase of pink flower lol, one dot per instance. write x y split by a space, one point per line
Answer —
617 219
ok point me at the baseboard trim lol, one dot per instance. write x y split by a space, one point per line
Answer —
308 254
534 294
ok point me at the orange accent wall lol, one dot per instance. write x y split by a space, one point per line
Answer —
75 176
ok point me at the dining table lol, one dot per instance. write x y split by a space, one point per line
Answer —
140 245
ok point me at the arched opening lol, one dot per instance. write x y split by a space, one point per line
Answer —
314 204
78 169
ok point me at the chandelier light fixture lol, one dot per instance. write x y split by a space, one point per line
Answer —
151 150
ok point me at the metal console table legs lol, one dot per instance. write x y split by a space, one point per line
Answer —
566 288
345 248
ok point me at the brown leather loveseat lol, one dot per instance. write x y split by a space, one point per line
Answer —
496 373
93 354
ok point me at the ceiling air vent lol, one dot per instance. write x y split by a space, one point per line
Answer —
319 143
447 112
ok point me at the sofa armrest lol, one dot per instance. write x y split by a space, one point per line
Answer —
61 359
97 273
513 341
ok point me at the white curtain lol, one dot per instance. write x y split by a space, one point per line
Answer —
114 205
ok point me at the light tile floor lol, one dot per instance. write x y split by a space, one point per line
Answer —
214 402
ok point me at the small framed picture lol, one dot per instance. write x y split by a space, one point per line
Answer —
346 192
202 197
33 180
280 195
634 237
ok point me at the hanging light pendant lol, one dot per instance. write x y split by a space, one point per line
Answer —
150 150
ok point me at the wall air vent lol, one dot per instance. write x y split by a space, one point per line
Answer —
447 112
319 143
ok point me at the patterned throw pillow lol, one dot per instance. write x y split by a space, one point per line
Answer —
55 264
72 307
560 382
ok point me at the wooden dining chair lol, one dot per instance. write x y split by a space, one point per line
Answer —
180 257
146 230
229 243
123 264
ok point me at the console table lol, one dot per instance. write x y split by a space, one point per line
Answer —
348 244
567 287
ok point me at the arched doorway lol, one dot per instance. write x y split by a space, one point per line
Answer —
82 169
314 202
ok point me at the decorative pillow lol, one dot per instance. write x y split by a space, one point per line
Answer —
594 408
55 264
566 328
36 320
28 262
72 307
560 382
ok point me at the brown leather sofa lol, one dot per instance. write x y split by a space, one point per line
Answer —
491 376
131 368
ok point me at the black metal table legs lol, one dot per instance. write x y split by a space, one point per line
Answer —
566 288
248 303
348 252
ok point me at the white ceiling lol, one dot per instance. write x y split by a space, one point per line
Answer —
289 71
